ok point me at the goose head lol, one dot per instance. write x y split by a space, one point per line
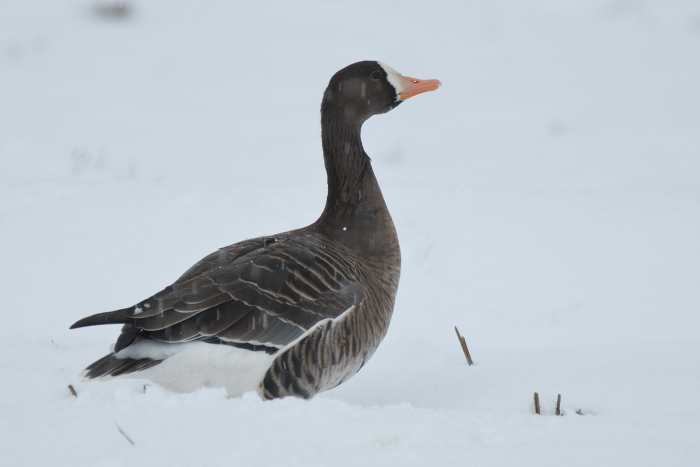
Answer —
368 88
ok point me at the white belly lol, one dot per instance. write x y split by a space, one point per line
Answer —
190 366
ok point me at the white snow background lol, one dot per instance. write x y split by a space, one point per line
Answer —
547 200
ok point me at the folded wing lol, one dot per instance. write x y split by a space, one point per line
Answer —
261 294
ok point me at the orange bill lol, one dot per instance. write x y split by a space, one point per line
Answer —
413 87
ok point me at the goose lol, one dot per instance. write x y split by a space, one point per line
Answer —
292 314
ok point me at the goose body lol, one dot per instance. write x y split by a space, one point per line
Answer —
291 314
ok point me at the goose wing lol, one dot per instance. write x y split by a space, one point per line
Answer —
260 294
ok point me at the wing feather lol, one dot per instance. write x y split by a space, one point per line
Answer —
215 320
262 292
192 304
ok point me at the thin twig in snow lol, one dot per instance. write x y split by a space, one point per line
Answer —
124 434
463 342
558 412
537 403
72 390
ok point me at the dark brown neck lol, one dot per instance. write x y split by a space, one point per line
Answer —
347 163
352 185
355 211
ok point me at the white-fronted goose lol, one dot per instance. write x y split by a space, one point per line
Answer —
295 313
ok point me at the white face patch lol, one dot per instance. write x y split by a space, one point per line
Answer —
394 78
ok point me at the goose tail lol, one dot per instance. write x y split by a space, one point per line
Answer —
110 366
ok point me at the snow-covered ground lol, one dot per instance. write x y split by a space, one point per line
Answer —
547 199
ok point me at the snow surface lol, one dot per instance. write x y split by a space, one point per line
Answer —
547 200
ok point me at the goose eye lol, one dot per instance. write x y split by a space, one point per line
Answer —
376 74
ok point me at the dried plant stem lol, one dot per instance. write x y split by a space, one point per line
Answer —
558 412
124 435
72 390
463 342
537 403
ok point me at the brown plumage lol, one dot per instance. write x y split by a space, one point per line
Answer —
317 300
